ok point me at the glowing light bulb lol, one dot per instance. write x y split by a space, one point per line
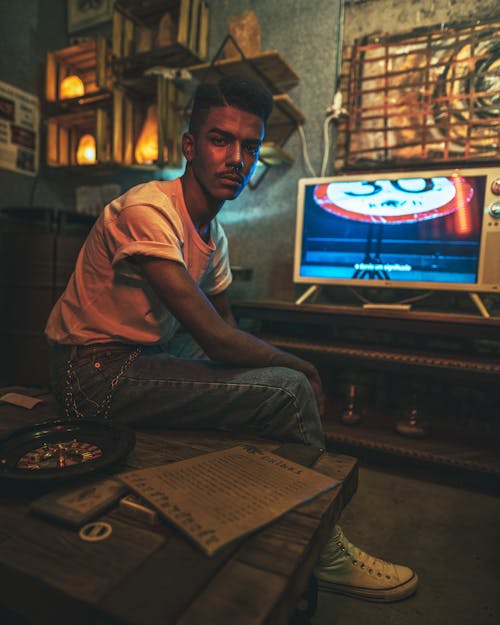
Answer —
71 87
85 154
146 149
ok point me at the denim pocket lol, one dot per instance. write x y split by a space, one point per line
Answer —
106 362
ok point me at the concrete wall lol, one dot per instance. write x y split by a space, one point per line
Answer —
261 223
27 30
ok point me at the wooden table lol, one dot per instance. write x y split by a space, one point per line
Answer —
153 576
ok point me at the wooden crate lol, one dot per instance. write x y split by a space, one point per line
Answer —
190 17
64 132
130 111
90 61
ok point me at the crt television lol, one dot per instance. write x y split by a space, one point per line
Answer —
422 229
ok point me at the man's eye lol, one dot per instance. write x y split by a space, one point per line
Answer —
218 140
252 149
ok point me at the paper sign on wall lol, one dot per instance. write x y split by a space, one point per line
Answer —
19 130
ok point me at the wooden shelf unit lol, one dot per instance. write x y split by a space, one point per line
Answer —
188 48
90 61
452 361
269 66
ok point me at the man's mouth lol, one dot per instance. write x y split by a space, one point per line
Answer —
231 177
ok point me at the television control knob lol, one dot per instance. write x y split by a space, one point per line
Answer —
495 186
494 209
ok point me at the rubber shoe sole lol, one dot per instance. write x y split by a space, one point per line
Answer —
382 595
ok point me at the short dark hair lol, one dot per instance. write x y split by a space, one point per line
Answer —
248 95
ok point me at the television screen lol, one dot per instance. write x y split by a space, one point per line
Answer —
419 229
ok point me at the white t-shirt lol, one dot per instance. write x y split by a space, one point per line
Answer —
107 298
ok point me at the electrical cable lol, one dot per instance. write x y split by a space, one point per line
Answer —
406 300
335 111
326 142
305 154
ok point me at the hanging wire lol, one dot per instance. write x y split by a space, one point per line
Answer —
335 110
305 153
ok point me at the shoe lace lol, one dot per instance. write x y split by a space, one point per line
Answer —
373 565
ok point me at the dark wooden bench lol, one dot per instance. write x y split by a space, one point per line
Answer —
146 575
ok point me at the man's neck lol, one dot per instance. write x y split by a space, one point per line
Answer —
201 208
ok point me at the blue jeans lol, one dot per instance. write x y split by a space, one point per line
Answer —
179 388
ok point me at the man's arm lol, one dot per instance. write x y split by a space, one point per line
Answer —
220 340
221 304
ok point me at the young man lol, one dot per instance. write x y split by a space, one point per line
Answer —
157 259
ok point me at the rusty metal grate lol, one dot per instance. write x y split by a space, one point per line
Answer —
430 95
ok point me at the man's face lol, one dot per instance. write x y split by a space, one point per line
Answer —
224 153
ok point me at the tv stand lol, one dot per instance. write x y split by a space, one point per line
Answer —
479 305
449 362
313 290
388 306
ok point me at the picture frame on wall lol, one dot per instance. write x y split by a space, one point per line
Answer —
83 14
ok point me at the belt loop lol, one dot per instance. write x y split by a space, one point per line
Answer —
74 352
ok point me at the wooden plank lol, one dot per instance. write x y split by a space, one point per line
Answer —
289 537
128 37
117 41
118 124
50 78
52 143
194 25
269 66
171 136
203 38
164 121
165 584
128 132
101 75
183 26
284 119
82 572
101 140
163 579
64 146
239 594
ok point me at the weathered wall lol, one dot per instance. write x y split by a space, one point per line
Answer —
27 30
261 223
390 16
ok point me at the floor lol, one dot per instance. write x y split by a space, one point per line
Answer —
449 535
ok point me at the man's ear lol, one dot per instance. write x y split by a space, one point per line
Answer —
188 146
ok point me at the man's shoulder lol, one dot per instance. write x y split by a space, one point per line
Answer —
149 192
153 198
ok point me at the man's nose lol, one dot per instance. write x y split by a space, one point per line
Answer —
236 155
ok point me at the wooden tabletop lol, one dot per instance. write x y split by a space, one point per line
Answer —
150 576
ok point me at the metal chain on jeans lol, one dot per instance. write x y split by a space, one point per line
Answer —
103 408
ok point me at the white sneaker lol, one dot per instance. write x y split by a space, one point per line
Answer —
345 569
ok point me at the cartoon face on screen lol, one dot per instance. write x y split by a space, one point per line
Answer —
394 201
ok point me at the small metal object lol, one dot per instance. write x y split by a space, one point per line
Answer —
95 531
350 416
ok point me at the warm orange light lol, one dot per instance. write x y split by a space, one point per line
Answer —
146 149
463 223
71 87
85 155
